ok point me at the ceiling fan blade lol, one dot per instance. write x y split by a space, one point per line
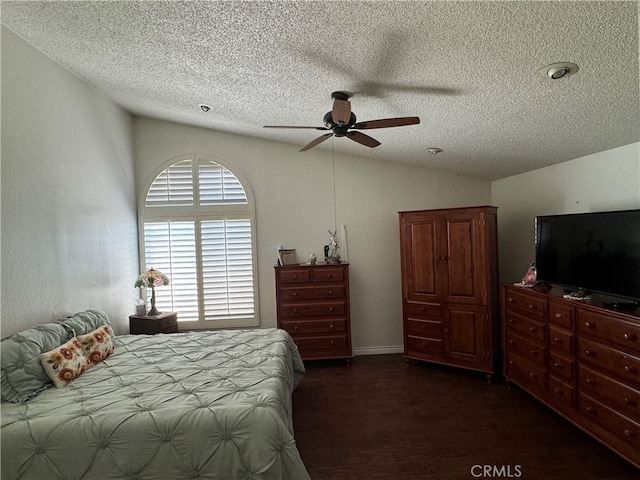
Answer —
387 122
317 141
341 112
365 140
294 126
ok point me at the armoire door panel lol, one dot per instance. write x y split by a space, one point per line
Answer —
464 261
466 328
423 265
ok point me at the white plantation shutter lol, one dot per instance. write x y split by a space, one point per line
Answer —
174 186
227 268
171 248
197 228
218 185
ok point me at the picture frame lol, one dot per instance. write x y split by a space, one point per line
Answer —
288 257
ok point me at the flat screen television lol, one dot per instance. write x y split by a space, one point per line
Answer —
595 252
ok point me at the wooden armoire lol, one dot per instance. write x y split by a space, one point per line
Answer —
450 290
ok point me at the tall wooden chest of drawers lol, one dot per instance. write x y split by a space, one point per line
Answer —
579 358
313 306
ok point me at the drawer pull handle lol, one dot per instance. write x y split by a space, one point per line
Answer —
534 353
590 410
331 325
532 375
629 433
295 310
331 309
629 369
589 325
629 336
532 329
511 320
295 277
557 340
332 342
295 294
330 292
328 275
510 300
589 381
590 353
422 309
558 315
557 365
512 342
628 401
512 363
532 306
295 327
556 390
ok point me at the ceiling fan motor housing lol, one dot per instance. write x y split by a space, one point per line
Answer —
338 130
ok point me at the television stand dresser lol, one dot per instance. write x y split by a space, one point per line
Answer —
579 358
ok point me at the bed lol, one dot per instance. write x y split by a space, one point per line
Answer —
209 405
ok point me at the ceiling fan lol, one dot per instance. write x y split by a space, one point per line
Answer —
341 122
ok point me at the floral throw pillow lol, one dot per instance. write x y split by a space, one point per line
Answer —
64 363
97 345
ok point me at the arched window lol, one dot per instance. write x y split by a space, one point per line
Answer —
197 226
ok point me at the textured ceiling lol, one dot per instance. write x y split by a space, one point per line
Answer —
469 70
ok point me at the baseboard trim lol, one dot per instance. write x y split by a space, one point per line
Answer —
383 350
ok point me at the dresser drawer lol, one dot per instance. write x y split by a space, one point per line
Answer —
304 327
425 328
422 345
328 274
562 340
561 392
561 365
620 425
420 310
312 293
526 374
328 343
525 349
623 397
561 314
625 334
622 365
526 302
313 309
294 275
525 325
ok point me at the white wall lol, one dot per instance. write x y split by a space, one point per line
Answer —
69 234
603 181
294 207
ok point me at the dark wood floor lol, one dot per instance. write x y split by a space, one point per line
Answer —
383 419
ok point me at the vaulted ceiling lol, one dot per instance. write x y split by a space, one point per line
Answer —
472 71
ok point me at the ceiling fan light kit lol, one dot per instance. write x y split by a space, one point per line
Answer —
342 122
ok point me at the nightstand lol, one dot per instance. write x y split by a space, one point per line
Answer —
164 323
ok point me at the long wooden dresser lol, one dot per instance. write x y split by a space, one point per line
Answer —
579 358
313 306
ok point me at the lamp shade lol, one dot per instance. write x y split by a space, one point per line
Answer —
152 279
